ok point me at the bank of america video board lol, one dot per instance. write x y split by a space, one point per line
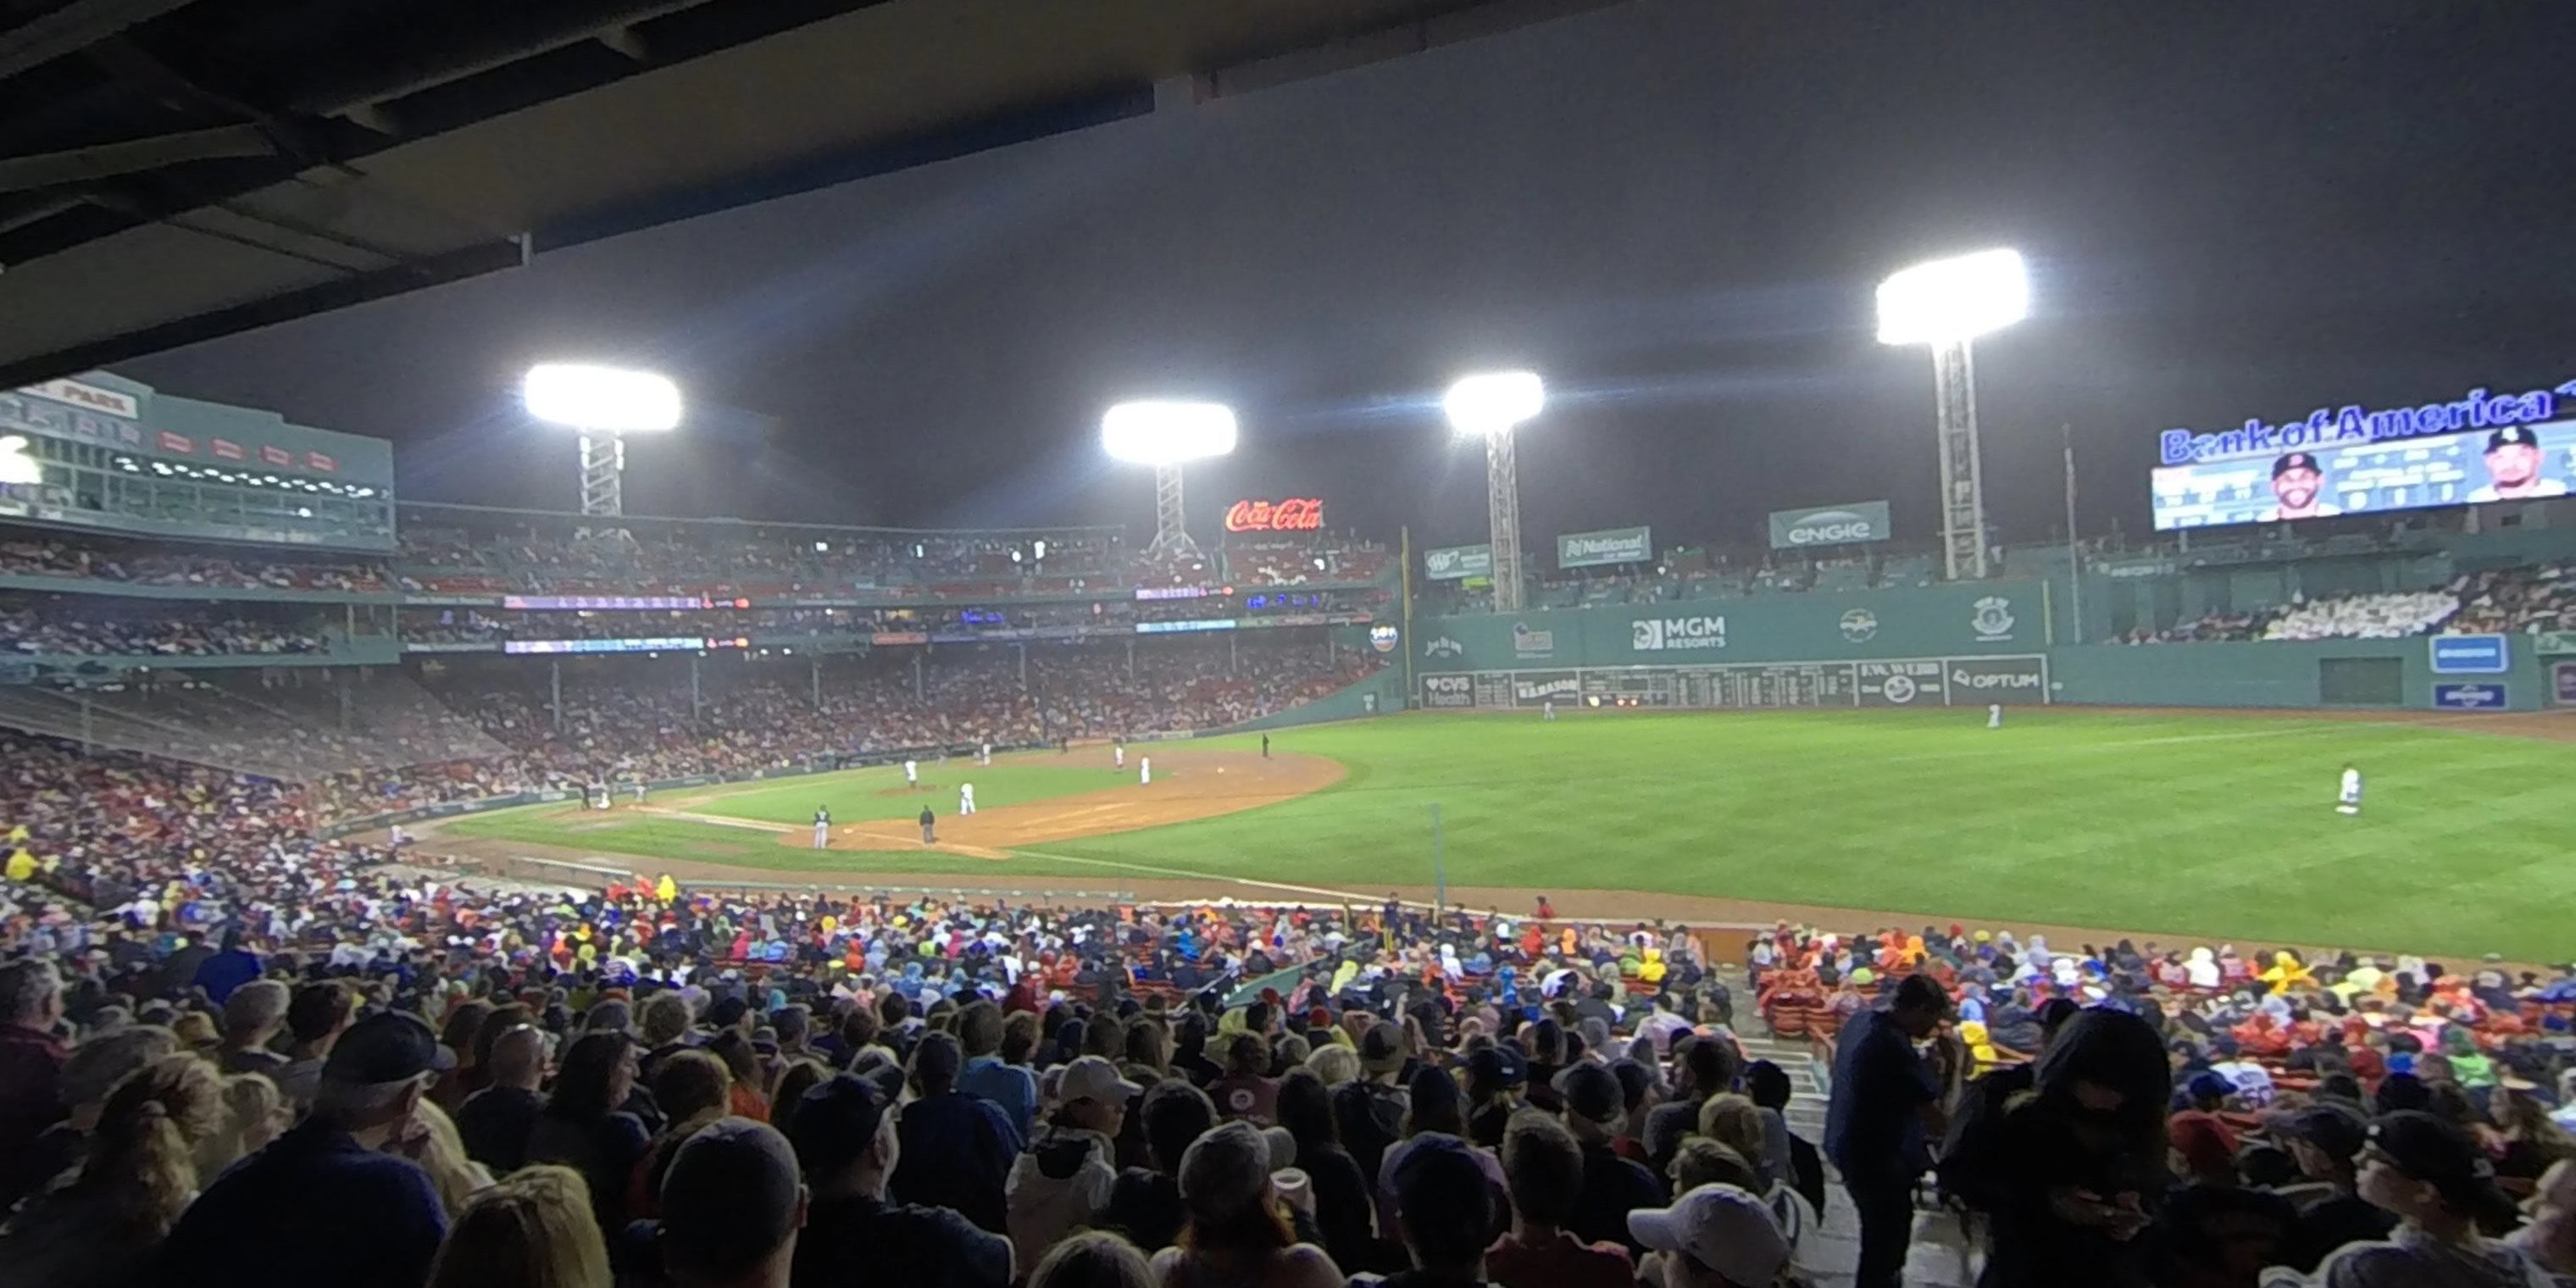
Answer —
2486 446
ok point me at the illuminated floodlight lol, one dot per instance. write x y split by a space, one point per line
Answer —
1167 433
1949 300
18 468
1495 401
606 400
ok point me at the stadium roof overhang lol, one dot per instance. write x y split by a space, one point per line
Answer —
176 170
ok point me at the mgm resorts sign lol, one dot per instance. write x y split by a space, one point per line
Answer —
1671 634
1830 525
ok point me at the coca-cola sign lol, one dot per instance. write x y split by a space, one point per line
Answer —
1296 514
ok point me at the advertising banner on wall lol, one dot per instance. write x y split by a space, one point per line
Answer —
1829 525
1608 546
2012 681
1455 563
1538 688
1453 692
2562 683
2471 654
2469 697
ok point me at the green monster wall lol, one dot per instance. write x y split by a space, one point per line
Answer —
1993 619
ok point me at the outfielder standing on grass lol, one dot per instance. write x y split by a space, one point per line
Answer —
912 774
2349 801
822 827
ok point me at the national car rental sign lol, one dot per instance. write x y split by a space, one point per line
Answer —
1295 514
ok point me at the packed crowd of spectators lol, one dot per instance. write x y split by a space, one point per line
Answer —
48 557
2518 601
2127 1115
757 560
219 1042
619 732
2490 601
56 626
220 1038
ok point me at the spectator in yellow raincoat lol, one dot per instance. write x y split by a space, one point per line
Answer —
2286 972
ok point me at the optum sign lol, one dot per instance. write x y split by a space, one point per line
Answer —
1831 525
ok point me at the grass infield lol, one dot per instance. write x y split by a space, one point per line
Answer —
2216 826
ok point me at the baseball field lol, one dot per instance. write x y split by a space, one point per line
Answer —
2179 826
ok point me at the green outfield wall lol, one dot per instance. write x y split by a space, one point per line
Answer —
1992 617
1947 645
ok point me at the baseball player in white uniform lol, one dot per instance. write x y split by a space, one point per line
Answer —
1144 771
1547 710
912 773
639 793
965 799
1994 715
1118 753
984 756
2349 800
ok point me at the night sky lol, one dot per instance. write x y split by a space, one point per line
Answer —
1676 211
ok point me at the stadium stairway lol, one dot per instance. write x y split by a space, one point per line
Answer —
1833 1250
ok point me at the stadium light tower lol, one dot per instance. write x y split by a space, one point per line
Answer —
1165 435
603 404
1946 303
1490 406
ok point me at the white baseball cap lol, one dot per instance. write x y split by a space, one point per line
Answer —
1721 1227
1092 1078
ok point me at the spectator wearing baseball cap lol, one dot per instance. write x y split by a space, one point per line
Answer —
2326 1141
1061 1182
1445 1210
2437 1182
1544 1172
2205 1141
1238 1231
323 1204
731 1208
1370 1110
1716 1236
1496 1077
845 1138
1612 1186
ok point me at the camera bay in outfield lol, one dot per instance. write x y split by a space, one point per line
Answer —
2215 827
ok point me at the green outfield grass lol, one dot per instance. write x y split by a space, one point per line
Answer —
2215 826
